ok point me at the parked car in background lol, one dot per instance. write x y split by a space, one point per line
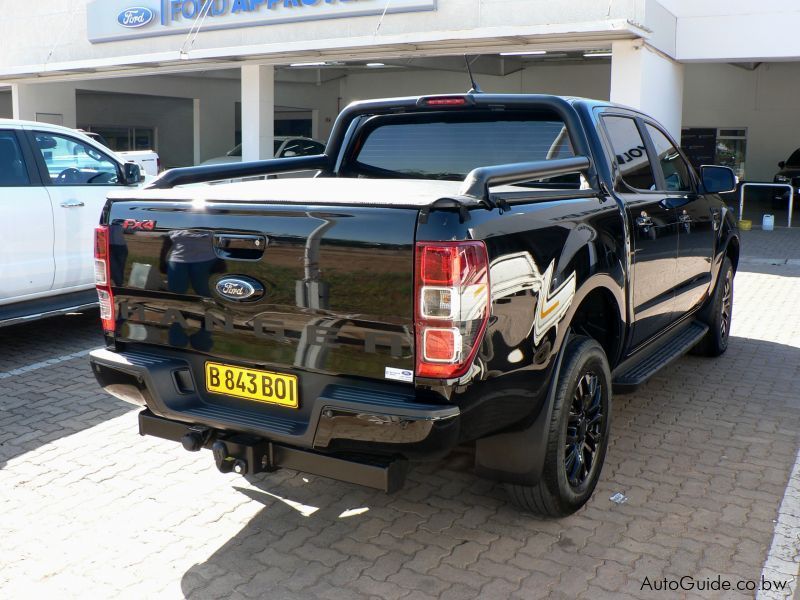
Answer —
148 160
53 184
285 147
789 173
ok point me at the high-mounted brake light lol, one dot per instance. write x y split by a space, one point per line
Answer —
452 306
102 276
446 101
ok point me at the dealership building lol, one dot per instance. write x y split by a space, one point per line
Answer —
194 78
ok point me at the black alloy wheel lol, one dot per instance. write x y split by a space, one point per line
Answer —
577 435
584 430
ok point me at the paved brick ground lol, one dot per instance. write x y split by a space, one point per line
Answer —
23 345
703 452
761 247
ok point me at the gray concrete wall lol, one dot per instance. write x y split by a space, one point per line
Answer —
764 101
172 119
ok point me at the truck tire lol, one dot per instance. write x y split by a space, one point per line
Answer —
717 314
577 438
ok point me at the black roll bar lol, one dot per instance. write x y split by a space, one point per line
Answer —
478 181
327 161
206 173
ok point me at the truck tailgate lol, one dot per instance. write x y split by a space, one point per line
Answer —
286 288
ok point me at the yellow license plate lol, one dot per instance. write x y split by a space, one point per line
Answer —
252 384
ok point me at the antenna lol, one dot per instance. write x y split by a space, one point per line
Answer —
476 89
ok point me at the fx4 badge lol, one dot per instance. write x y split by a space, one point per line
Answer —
134 225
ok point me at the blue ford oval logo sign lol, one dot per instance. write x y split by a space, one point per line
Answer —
239 289
137 16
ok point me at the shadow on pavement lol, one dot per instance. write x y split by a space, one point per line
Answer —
766 267
783 243
54 400
28 343
702 451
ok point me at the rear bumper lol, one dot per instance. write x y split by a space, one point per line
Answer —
247 455
342 419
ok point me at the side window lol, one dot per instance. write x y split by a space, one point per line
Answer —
676 171
302 148
72 162
12 165
631 152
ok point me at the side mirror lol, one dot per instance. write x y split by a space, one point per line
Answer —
131 174
718 180
781 164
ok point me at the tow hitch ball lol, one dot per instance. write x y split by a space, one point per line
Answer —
242 455
225 462
195 439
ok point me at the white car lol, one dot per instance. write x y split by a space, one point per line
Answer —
285 146
148 160
53 186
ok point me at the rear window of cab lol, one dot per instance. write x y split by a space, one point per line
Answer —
448 147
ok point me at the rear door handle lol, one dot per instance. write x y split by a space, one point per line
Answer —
716 218
644 220
72 204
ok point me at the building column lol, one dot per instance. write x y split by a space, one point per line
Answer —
645 79
258 112
45 102
214 127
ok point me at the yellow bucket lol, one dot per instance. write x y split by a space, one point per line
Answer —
745 225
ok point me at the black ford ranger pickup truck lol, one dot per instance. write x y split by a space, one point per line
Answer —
470 268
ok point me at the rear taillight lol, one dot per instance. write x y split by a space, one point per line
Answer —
452 306
102 276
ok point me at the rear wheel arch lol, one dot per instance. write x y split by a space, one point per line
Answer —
598 313
517 456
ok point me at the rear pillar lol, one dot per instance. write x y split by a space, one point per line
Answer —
648 80
258 112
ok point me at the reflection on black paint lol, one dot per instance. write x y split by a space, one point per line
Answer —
190 259
119 252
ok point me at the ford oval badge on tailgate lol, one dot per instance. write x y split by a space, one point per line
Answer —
136 16
239 288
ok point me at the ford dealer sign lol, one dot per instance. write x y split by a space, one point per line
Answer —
114 20
138 16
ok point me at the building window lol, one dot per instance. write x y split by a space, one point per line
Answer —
124 139
732 149
726 147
